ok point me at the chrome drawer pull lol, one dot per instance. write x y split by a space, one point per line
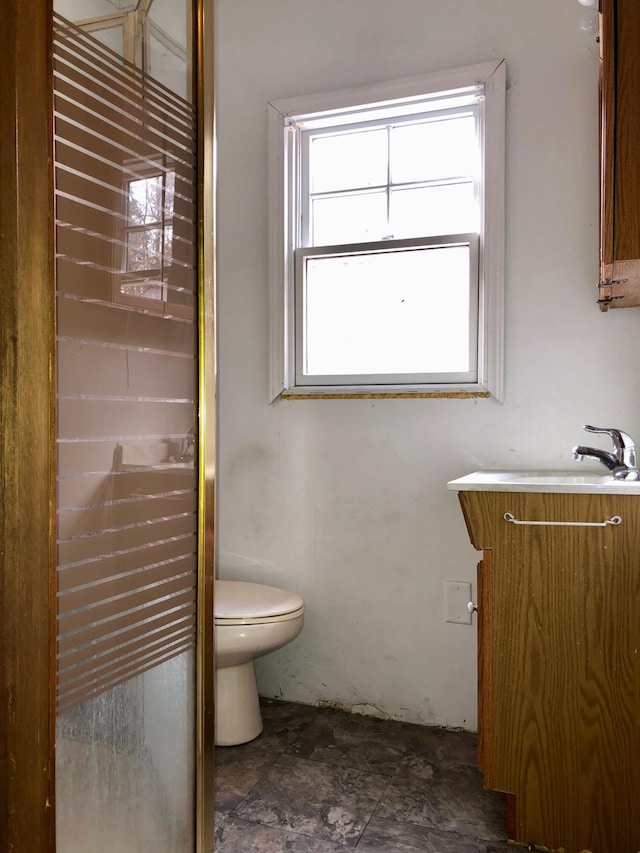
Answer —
613 520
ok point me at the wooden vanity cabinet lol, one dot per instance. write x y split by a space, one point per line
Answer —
559 666
619 154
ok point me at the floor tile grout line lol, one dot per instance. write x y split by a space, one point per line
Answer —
373 811
257 782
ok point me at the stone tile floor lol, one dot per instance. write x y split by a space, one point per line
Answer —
321 780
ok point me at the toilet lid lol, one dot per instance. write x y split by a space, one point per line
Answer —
238 600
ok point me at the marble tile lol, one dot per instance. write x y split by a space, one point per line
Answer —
240 836
351 740
386 835
449 797
283 723
443 746
237 769
327 802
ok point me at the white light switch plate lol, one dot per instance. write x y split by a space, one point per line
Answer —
457 594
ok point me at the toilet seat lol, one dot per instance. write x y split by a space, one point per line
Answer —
240 603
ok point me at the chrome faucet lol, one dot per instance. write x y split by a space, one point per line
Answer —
187 449
621 462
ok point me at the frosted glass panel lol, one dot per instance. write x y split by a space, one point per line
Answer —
125 188
125 767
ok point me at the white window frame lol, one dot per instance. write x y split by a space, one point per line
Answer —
488 79
133 170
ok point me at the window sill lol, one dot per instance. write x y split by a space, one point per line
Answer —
314 393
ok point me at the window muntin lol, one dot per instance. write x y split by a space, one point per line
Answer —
467 199
375 182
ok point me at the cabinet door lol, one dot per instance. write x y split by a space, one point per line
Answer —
560 666
620 154
485 727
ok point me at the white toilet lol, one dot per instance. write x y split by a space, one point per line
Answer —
251 620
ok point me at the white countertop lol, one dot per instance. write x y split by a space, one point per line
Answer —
544 481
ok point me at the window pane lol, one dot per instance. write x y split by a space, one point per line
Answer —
169 191
167 65
348 160
394 312
145 200
434 149
144 250
429 211
168 246
111 37
348 219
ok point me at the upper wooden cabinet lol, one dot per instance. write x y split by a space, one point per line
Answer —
620 154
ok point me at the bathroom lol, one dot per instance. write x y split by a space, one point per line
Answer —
345 501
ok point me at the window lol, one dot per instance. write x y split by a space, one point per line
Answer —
387 226
148 235
155 259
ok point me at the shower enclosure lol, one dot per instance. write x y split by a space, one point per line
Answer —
131 579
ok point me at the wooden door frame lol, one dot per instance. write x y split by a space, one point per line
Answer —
26 437
27 431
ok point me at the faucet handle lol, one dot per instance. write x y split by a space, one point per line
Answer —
622 442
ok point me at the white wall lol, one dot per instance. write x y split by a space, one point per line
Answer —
345 501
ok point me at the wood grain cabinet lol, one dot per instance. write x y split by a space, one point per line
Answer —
559 666
620 154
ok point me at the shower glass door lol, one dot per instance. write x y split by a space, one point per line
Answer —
125 147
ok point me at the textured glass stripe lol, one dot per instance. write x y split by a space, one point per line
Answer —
116 190
81 48
134 143
74 60
137 90
82 418
71 33
177 495
81 678
76 142
127 532
101 103
126 347
89 520
126 564
106 323
112 399
160 613
86 293
82 201
67 702
104 613
161 467
86 547
154 631
124 528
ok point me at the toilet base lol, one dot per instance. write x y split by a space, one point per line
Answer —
237 708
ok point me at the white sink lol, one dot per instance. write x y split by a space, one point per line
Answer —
544 481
